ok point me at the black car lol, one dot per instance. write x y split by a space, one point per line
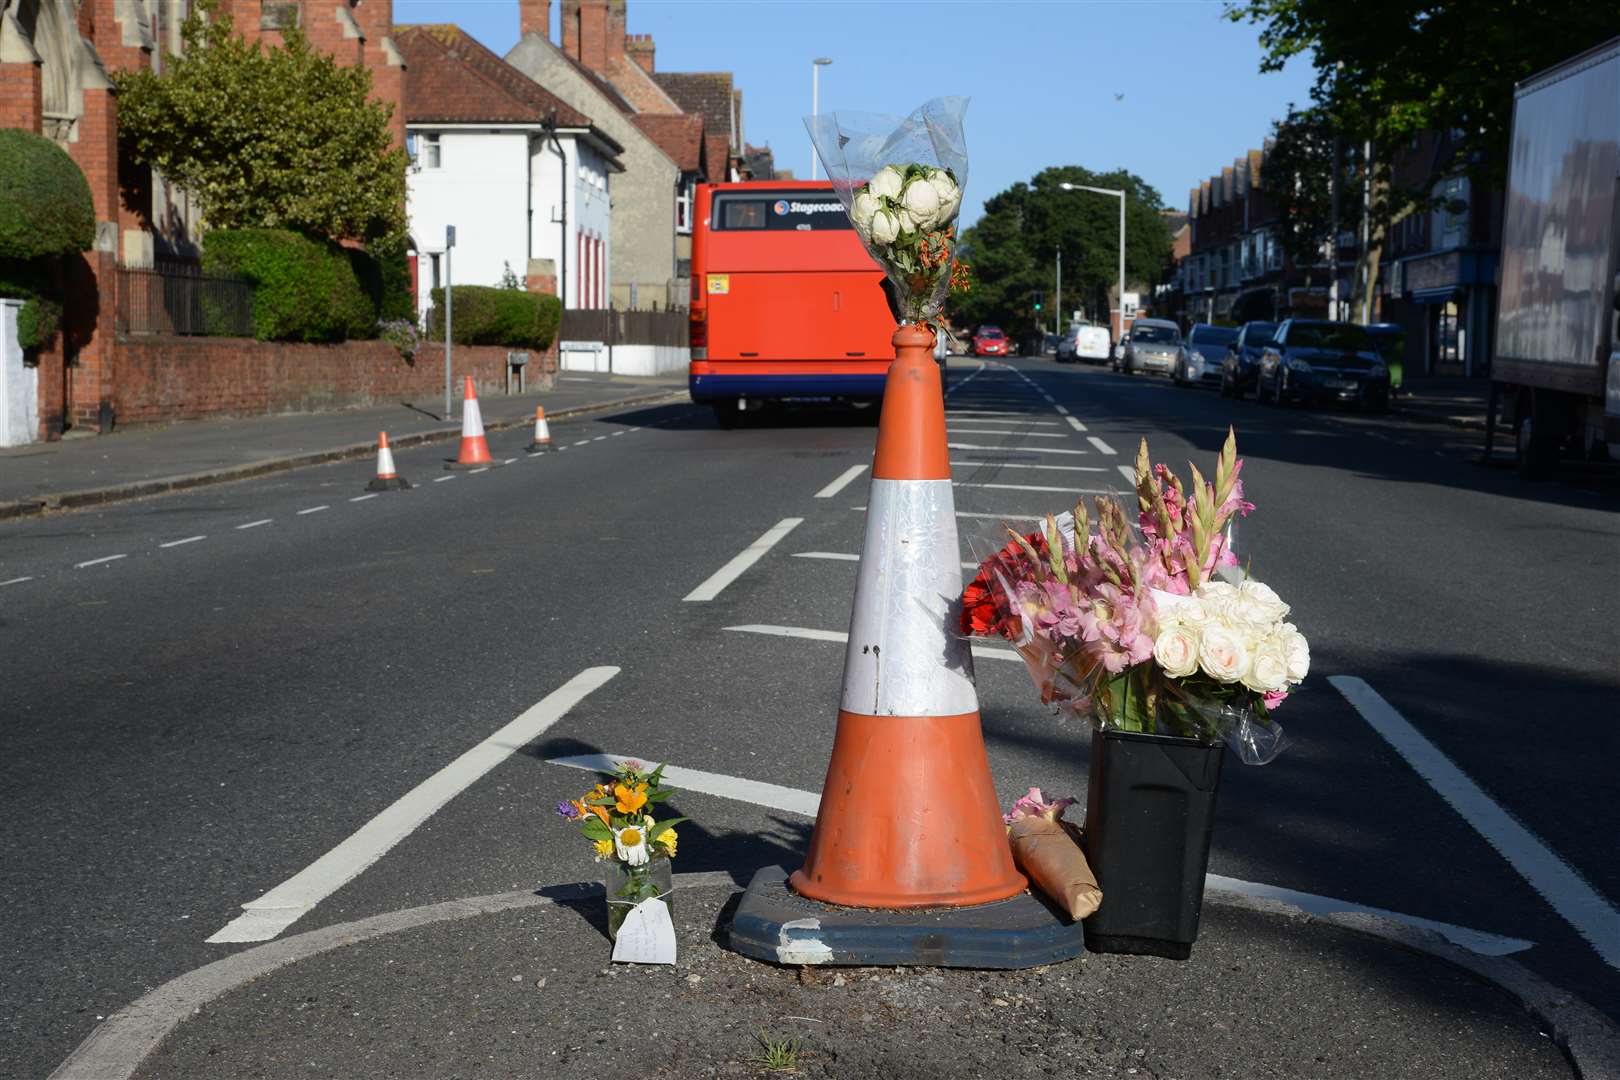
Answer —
1316 360
1242 362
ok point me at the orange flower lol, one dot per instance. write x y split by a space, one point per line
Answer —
628 801
601 812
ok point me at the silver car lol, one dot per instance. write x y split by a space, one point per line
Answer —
1152 345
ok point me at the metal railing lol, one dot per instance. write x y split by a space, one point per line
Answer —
624 327
178 300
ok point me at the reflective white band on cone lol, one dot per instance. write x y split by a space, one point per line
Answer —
472 421
904 657
385 463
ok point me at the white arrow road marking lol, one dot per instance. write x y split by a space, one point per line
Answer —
747 557
270 914
980 652
1576 902
806 803
841 483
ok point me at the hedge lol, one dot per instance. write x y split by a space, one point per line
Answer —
41 314
303 289
45 206
488 316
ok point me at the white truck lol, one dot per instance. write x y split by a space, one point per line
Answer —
1556 368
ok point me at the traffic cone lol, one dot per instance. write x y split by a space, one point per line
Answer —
542 433
474 447
909 816
386 479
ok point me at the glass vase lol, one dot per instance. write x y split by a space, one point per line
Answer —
626 886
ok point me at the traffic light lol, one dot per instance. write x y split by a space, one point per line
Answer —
1039 298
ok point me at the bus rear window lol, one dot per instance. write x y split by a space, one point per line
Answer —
807 211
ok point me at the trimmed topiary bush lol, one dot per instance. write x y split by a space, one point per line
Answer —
41 314
388 282
45 206
489 316
303 290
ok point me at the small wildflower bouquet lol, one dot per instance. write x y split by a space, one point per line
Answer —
901 183
617 818
1047 849
1132 628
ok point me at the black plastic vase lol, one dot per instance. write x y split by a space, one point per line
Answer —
1150 809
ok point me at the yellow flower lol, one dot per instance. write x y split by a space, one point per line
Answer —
666 840
627 801
604 849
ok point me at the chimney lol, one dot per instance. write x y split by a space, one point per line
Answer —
640 48
585 24
534 17
614 39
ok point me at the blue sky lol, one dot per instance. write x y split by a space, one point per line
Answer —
1042 75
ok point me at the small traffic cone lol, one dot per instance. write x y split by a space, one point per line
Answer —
542 433
474 447
386 479
909 862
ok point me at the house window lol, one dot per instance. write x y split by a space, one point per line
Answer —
430 151
433 263
683 207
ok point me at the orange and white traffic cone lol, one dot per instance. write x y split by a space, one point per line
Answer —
386 479
474 447
909 816
542 432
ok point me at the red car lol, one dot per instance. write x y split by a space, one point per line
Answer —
990 341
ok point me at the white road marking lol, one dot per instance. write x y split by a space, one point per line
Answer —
98 562
841 483
1021 449
749 555
442 479
993 412
581 442
1061 410
619 432
1128 472
1040 487
1576 902
256 524
1102 447
981 652
1009 431
511 461
475 472
363 498
1077 425
270 914
770 796
187 540
599 438
16 581
313 510
847 556
1027 465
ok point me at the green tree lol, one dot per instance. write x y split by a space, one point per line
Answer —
276 138
1298 171
45 212
1013 247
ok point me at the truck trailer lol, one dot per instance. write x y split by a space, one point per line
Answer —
1556 365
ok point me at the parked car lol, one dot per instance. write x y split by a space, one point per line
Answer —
1202 354
1317 360
1091 344
1064 353
990 341
1049 347
1390 338
1241 364
1152 345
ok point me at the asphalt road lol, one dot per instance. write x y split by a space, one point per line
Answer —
184 728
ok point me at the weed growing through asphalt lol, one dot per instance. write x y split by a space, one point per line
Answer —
777 1056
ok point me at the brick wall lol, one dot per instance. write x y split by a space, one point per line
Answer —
20 103
169 378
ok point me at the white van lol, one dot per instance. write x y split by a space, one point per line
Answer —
1091 344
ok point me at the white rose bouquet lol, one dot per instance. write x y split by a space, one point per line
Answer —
1133 629
901 183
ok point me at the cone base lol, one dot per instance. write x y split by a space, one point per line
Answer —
537 448
909 818
390 483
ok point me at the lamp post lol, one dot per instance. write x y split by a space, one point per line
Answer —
1066 186
815 101
1057 305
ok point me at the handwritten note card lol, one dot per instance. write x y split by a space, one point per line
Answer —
647 936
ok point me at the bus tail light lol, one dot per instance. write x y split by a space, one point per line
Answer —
698 325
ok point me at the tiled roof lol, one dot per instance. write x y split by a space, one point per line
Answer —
680 135
706 92
718 147
638 87
450 77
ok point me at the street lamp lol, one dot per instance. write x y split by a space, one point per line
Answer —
1066 186
815 101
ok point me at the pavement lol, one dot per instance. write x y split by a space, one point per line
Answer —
520 985
151 459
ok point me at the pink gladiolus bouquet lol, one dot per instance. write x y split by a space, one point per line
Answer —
1132 628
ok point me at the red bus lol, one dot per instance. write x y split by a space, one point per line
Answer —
786 303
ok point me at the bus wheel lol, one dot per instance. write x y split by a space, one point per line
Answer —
726 413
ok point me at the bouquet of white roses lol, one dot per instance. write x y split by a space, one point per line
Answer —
901 183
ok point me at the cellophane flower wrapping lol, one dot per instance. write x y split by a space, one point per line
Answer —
901 181
1128 625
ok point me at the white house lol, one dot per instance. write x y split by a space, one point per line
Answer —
524 178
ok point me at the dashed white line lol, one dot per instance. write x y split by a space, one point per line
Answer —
16 581
270 914
1021 449
256 524
313 510
746 558
1580 905
1128 472
1061 410
1102 447
1040 487
475 472
363 498
442 479
1028 465
841 483
511 461
187 540
599 438
582 442
980 652
619 432
1077 425
98 562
